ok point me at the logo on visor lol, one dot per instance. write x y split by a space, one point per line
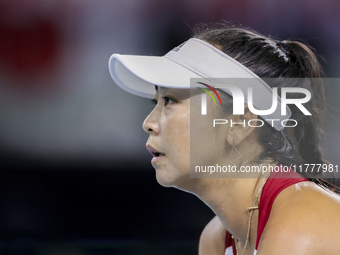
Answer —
178 47
204 97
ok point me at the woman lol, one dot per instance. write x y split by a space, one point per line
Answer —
279 211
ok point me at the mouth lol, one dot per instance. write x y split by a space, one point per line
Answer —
155 153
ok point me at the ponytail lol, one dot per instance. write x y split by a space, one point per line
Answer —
309 133
310 129
303 57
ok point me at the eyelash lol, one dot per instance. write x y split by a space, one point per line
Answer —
166 100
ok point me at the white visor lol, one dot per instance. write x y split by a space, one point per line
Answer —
192 59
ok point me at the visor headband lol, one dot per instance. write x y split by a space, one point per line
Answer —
208 62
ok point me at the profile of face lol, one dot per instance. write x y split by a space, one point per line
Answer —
176 128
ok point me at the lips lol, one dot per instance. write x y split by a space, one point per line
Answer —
153 151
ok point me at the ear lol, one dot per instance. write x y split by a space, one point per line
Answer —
239 126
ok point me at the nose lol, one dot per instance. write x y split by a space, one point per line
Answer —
151 123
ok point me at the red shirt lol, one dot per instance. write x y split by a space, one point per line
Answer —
276 182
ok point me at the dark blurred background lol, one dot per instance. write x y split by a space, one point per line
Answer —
75 177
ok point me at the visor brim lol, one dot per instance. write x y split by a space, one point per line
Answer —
139 74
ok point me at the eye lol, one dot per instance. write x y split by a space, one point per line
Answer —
168 100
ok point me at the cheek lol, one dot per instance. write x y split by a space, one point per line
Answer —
207 141
177 135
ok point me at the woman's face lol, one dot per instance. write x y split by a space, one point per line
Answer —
170 126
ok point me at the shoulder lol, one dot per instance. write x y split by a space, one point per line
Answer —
212 240
305 219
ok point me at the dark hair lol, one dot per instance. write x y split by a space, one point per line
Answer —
270 58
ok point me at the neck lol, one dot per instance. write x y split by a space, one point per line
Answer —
229 199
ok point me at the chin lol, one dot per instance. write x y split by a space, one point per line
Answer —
165 179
